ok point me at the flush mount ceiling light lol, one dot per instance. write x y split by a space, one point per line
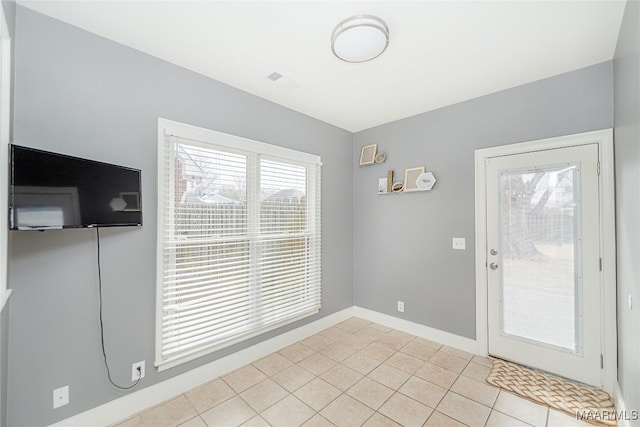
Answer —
360 38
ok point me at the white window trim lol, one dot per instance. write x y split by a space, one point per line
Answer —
233 143
5 124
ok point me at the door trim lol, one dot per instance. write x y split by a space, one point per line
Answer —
604 139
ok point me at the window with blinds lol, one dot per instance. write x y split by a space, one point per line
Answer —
239 240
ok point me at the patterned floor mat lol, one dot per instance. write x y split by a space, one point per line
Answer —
586 403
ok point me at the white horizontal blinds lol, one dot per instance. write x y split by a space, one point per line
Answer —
286 245
210 193
206 272
314 217
240 246
283 191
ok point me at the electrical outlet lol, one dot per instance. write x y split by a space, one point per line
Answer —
135 375
401 306
459 243
60 397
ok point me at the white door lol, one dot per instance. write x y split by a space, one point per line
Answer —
543 261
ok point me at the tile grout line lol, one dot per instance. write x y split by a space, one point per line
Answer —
449 390
366 376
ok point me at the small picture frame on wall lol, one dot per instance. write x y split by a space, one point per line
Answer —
368 154
411 177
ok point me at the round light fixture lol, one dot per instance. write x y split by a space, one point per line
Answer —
360 38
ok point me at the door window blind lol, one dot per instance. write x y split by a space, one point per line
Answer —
240 243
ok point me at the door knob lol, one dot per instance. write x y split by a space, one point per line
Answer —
494 252
493 266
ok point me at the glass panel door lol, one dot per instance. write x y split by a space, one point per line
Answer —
543 249
541 284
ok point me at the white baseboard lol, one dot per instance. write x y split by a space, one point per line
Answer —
621 408
126 406
447 338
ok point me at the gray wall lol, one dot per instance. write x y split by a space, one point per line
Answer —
9 7
626 80
79 94
402 242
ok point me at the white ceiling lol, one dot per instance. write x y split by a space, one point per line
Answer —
440 52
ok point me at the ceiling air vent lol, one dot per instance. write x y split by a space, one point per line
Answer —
283 81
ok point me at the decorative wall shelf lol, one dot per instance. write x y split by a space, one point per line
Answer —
416 179
424 182
402 192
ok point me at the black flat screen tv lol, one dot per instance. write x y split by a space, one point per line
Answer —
53 191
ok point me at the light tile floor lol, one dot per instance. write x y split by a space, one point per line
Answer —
356 373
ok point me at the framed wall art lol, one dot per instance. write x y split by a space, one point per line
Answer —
368 154
411 177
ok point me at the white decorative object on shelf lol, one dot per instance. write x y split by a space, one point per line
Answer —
426 181
382 185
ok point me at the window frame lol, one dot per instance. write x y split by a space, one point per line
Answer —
5 134
252 149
